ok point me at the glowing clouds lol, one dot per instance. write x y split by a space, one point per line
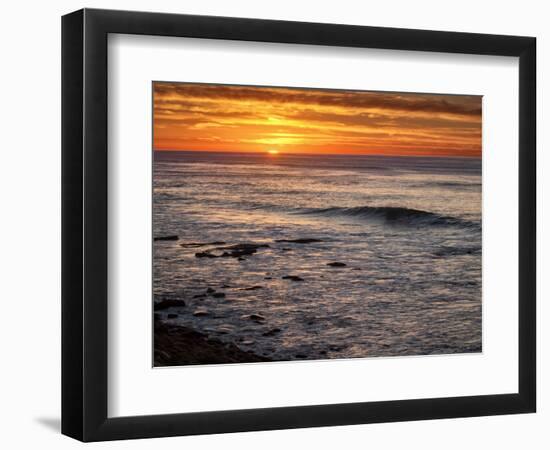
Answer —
247 118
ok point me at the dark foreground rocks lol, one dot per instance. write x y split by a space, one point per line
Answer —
179 346
337 264
201 244
299 241
166 238
292 278
168 303
233 251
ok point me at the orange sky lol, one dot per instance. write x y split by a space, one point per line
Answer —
288 120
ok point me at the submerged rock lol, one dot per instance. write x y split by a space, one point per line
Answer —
256 318
168 303
337 264
300 240
232 251
272 332
293 278
201 244
204 255
251 288
166 238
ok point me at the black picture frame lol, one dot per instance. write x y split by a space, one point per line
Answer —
84 224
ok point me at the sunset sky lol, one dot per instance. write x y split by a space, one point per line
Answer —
287 120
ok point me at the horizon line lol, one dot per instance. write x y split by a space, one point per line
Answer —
282 153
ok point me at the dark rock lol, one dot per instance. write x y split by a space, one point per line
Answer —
300 356
239 250
268 278
177 346
166 238
272 332
293 278
210 290
168 303
256 318
218 295
201 244
337 264
233 251
204 255
172 316
252 288
199 296
240 258
299 241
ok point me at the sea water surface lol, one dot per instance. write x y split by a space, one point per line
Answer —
406 230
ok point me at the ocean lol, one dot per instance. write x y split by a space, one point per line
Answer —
321 257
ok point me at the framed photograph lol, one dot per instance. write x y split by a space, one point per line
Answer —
273 224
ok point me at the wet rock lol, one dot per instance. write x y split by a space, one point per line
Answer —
204 255
300 356
218 295
247 342
272 332
268 278
251 288
172 316
166 238
293 278
299 241
233 251
201 244
168 303
239 250
336 264
177 346
256 318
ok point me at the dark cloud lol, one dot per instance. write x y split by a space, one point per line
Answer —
461 105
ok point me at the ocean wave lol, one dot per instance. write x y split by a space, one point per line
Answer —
391 214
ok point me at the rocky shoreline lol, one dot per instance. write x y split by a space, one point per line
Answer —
176 345
181 346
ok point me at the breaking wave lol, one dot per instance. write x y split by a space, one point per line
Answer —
391 214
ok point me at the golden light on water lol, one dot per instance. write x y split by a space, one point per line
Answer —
273 151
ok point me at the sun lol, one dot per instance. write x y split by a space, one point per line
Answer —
273 151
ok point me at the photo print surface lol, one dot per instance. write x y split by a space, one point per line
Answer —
309 224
